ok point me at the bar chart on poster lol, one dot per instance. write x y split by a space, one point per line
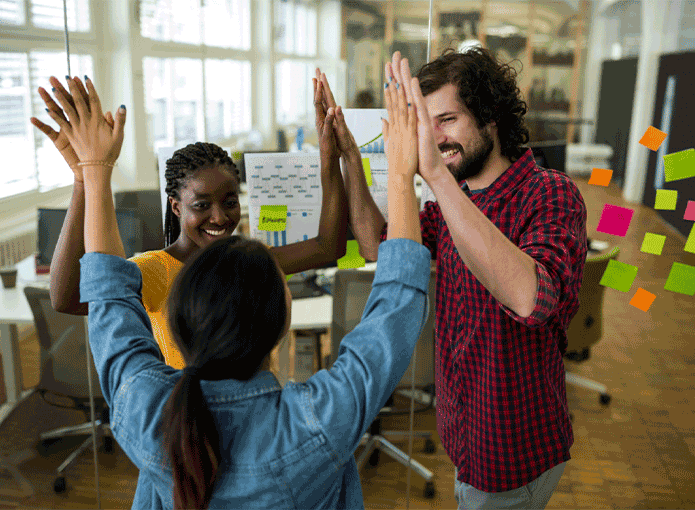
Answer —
284 196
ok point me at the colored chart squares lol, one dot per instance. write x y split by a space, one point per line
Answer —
666 199
642 299
689 211
653 138
690 242
681 279
601 176
615 220
619 276
653 243
352 258
679 165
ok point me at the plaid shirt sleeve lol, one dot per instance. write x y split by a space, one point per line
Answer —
429 222
555 237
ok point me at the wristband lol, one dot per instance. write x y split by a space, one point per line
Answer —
95 163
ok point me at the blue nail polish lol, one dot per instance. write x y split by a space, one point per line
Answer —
386 85
53 89
46 110
408 104
398 85
67 77
86 77
123 106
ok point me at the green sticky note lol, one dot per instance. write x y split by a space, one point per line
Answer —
288 276
619 276
681 279
666 199
653 243
679 165
690 242
367 170
352 258
273 218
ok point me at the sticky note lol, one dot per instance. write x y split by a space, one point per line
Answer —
288 276
615 220
681 279
273 218
690 242
619 276
653 243
652 138
352 258
679 165
367 170
689 211
666 199
642 299
601 176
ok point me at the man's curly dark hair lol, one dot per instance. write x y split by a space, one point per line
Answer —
487 88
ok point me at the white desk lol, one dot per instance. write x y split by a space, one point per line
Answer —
14 310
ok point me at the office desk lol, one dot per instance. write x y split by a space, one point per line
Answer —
14 310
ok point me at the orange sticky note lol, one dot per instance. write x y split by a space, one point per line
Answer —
601 176
642 299
652 138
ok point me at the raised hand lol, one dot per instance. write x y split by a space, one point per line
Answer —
400 135
345 140
59 138
325 115
431 164
92 138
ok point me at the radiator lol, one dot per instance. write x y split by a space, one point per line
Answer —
17 248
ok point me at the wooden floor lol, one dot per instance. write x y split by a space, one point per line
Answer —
638 452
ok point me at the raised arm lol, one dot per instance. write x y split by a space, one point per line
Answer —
330 243
65 264
365 218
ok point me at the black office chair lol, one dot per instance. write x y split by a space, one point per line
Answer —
63 377
351 290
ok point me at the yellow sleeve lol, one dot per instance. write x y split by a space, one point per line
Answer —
154 281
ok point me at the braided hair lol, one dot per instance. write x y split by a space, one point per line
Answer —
179 168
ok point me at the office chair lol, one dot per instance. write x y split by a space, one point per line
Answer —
586 327
63 377
147 204
351 290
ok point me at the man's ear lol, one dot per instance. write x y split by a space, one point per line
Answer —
175 206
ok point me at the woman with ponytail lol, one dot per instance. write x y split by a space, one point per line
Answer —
222 433
202 185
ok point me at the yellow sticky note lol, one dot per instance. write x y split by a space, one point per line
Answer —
367 170
679 165
666 199
352 258
690 243
273 218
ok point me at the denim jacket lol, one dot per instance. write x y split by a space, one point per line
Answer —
290 447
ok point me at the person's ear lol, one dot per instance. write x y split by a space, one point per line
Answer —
175 206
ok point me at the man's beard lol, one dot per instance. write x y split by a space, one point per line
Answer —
472 162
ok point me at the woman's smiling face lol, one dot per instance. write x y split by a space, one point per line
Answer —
209 207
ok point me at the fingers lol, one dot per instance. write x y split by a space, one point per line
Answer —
65 100
318 102
328 95
406 80
44 128
385 132
80 103
109 119
423 115
119 123
82 90
64 125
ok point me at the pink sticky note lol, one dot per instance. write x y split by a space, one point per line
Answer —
690 211
615 220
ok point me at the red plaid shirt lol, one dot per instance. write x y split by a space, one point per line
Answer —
502 410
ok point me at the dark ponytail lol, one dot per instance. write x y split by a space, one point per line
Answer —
180 166
227 311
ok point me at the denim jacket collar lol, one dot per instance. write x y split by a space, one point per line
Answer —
232 390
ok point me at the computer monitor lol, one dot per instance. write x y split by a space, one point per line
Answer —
50 222
551 155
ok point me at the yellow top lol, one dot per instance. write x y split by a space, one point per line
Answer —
159 269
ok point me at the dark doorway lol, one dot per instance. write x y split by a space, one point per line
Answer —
674 109
617 93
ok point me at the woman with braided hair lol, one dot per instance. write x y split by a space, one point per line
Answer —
222 433
202 183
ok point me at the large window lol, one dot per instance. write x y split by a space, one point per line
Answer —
295 36
46 14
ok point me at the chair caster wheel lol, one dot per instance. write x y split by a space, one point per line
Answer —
604 399
430 446
108 444
374 457
429 490
59 485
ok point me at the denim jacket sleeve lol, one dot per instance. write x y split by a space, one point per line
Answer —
374 356
120 332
